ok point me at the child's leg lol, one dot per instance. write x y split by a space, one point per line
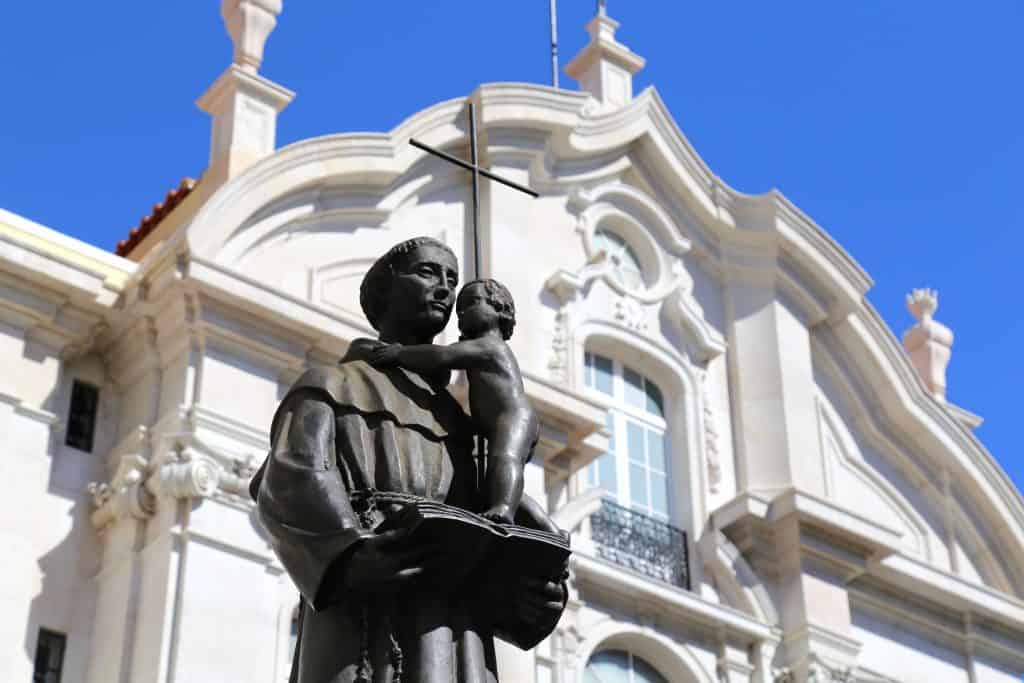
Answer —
504 486
533 515
509 446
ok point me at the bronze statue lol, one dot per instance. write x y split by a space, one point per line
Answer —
350 446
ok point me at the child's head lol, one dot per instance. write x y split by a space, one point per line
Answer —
483 305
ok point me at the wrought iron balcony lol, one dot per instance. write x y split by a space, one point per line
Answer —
641 543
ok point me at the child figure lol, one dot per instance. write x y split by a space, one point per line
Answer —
497 399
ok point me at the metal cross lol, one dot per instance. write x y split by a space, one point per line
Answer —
474 166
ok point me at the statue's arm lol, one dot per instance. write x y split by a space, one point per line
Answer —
302 500
304 506
463 355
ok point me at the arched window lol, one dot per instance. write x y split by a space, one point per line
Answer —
624 262
635 470
619 666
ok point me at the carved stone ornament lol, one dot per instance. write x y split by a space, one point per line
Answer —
784 676
235 481
558 365
641 222
631 313
124 496
820 672
185 476
135 487
711 438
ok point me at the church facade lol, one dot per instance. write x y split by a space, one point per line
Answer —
762 483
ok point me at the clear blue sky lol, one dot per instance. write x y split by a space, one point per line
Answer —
895 125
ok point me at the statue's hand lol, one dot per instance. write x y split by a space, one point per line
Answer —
386 356
538 600
386 561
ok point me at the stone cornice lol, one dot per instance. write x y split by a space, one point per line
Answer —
98 273
828 533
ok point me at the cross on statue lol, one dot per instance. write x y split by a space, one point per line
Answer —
473 166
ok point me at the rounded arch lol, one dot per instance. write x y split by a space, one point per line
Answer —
675 661
675 374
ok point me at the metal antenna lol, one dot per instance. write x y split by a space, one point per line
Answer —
554 43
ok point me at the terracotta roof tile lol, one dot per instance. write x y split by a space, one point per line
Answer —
160 211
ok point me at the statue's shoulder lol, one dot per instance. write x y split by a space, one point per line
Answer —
333 383
355 386
330 380
321 379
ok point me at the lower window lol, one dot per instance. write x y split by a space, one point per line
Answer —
619 666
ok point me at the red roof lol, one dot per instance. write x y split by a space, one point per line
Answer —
160 211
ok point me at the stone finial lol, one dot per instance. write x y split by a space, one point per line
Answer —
243 104
249 23
922 303
928 342
605 67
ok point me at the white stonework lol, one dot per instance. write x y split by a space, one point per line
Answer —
844 523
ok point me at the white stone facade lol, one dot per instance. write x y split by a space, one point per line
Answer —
844 524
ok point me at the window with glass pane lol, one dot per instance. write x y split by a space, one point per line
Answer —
619 666
625 265
49 662
634 471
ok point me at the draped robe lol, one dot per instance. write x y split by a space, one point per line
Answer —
392 431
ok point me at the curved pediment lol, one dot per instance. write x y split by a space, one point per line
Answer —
307 219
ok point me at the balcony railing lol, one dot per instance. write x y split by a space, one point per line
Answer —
641 543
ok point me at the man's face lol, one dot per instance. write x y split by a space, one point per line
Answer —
423 291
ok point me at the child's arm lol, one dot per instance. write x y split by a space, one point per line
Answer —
463 355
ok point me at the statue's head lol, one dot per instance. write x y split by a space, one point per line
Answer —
408 293
484 304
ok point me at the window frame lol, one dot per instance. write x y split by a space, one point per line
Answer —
621 415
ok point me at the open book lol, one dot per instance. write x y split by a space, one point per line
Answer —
493 560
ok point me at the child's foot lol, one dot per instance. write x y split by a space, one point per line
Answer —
502 514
